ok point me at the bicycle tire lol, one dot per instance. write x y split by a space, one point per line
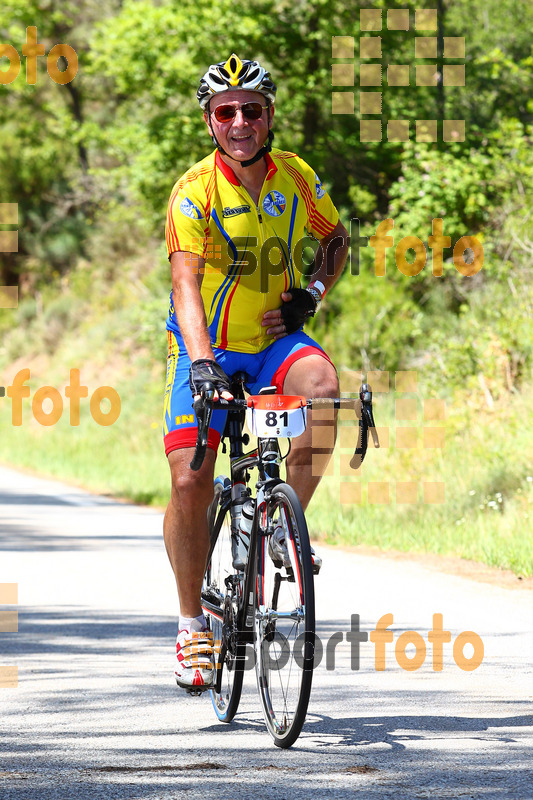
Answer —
229 654
284 682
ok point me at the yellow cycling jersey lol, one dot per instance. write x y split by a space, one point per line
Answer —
252 252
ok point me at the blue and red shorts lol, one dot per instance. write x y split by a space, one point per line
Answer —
267 368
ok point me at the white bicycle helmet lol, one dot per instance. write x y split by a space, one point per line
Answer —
235 74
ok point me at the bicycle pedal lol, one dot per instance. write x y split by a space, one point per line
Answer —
194 691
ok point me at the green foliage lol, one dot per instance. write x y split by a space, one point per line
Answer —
91 165
367 323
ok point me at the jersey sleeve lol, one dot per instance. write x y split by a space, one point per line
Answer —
186 225
322 214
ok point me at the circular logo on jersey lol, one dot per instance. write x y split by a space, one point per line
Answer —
274 204
320 191
188 208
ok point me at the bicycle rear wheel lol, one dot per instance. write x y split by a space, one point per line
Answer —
221 590
285 621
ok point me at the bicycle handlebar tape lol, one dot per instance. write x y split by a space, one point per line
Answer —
362 444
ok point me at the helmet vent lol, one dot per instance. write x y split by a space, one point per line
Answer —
235 74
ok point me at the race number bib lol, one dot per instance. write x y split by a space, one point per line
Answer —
276 415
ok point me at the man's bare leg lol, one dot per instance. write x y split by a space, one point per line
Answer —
311 376
185 526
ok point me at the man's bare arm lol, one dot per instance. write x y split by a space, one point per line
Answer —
187 274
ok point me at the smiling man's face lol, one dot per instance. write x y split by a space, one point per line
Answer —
241 138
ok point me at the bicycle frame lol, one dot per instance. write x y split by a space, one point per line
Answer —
266 457
255 602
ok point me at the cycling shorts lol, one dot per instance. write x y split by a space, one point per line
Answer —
266 368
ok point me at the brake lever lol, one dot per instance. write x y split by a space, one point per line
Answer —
365 395
203 408
366 422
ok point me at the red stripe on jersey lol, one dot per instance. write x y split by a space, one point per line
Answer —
192 175
271 167
210 188
224 331
322 225
171 233
318 222
226 170
304 189
286 154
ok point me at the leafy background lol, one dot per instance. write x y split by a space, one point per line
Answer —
91 165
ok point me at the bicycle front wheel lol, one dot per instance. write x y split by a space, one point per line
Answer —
221 590
285 620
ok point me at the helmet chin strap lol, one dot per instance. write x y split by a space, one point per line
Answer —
267 147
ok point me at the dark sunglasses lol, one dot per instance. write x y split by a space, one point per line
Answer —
249 111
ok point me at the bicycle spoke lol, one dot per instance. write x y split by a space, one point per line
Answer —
284 623
220 593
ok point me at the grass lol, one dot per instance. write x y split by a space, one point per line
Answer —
125 459
488 485
485 466
486 469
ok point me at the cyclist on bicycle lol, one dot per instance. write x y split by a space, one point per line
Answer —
234 222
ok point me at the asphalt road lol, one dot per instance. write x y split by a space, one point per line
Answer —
97 714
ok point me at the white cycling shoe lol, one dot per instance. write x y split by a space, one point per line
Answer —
277 550
195 669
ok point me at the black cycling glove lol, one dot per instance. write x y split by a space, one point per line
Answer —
205 370
298 310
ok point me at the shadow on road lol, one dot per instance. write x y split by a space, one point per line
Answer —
90 679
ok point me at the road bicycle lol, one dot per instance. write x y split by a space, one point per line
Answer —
266 602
